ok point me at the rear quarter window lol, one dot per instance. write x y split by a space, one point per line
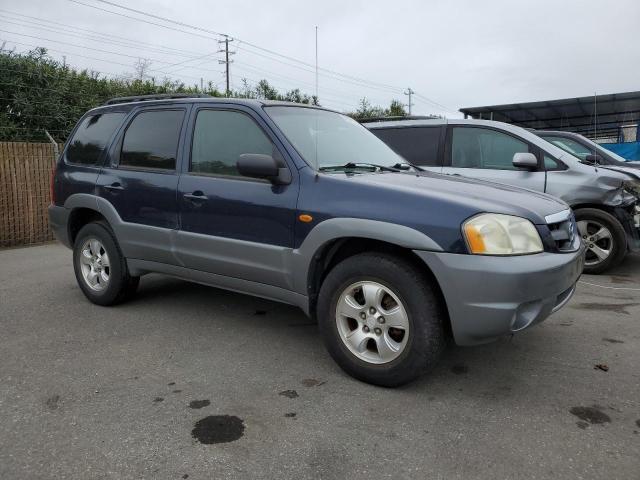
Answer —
417 145
91 138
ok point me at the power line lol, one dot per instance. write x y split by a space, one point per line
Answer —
212 32
98 37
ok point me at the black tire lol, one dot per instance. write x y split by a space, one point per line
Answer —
121 285
618 239
426 340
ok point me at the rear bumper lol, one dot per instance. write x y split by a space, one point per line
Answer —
489 297
58 221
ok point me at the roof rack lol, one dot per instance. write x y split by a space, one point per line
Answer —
398 118
162 96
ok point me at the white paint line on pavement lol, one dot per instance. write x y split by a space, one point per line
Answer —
610 288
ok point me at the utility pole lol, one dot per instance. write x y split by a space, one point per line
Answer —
226 60
409 92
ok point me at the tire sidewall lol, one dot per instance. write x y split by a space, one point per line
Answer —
426 335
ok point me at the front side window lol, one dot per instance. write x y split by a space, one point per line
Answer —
571 146
91 138
417 145
151 141
327 139
484 148
221 136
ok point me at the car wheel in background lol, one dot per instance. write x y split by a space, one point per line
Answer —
604 237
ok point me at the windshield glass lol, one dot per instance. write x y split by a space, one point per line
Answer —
587 147
328 139
574 148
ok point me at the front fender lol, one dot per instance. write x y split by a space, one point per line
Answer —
337 228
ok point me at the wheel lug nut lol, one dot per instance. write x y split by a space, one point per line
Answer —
363 315
377 330
372 310
365 329
381 320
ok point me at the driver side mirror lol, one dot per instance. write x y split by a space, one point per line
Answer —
525 160
594 159
256 165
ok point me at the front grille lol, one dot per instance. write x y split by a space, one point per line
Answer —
564 234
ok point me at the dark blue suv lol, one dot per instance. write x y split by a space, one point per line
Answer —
305 206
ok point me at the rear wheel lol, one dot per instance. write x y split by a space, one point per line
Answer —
604 237
380 319
100 268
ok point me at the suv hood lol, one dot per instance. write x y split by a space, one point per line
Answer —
480 195
632 172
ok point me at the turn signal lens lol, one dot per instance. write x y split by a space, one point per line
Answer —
305 218
498 234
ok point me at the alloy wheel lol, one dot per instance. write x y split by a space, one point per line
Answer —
372 322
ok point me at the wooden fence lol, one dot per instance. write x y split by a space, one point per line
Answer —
25 171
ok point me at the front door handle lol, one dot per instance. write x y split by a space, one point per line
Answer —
114 186
196 196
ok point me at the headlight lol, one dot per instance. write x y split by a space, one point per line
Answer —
497 234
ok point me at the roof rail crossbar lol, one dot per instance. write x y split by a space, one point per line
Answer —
161 96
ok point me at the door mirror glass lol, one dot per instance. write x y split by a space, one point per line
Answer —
525 160
256 165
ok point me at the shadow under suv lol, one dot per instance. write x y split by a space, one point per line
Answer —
305 206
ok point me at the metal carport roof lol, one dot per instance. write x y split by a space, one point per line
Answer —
569 114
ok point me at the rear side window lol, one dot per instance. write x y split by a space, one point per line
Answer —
417 145
484 148
151 140
91 138
221 136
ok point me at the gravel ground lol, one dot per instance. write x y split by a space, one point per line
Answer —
192 382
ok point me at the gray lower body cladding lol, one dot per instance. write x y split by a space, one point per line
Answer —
488 297
59 221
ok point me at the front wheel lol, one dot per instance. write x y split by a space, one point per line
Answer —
604 237
380 319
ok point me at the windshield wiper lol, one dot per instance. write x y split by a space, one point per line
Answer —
354 165
404 165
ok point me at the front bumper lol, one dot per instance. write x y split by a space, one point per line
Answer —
489 297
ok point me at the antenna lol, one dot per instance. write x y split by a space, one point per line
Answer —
317 65
595 116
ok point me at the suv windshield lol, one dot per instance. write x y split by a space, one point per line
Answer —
581 150
329 139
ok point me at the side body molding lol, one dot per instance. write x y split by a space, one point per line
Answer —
336 228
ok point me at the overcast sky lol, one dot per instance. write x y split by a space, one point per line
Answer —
456 53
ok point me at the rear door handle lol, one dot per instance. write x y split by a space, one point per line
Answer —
114 186
196 196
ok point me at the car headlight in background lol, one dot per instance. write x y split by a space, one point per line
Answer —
498 234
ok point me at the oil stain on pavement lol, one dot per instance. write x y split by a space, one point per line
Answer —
289 393
593 415
52 402
218 429
199 404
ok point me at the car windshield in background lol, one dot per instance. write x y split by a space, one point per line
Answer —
581 151
328 140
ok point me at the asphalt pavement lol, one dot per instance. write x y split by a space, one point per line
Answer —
187 381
